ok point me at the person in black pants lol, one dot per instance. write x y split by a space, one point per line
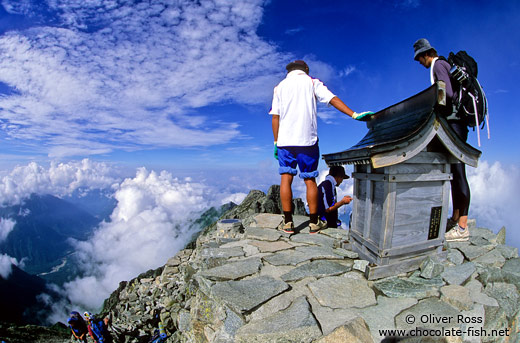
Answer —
457 225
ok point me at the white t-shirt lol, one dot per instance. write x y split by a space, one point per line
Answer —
294 100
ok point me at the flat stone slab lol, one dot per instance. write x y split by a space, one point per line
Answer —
381 316
319 252
507 251
339 234
507 296
355 330
317 239
457 275
472 252
494 258
271 246
484 233
341 292
222 252
262 234
233 270
316 269
244 295
346 253
295 324
410 318
475 292
457 296
287 257
301 254
401 288
267 220
455 256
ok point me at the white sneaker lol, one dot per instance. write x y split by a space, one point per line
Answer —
315 228
457 235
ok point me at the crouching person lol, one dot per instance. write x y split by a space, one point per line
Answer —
328 203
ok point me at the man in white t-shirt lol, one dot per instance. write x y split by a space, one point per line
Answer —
295 131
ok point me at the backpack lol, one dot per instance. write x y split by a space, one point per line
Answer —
471 102
98 329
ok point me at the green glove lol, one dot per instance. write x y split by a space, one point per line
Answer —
275 150
363 116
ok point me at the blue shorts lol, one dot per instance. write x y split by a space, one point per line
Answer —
305 157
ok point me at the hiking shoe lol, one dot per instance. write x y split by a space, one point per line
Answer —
451 224
315 228
457 235
286 227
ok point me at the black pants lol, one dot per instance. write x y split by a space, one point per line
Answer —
460 193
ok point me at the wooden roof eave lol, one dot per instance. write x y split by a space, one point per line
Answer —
458 149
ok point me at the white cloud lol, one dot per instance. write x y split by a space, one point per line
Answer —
59 179
347 71
114 75
6 226
149 225
494 198
6 265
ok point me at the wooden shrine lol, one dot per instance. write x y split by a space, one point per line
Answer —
402 183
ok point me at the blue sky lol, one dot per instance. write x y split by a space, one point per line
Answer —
112 93
178 85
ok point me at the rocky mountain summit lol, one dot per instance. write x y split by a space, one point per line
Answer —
244 281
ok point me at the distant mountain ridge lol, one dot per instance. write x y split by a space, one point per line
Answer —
19 298
44 226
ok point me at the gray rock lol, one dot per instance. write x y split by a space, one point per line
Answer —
419 315
355 331
271 246
496 319
476 318
394 287
346 253
455 257
515 328
316 269
227 332
512 266
222 252
431 268
501 236
319 252
475 291
484 233
287 257
479 241
266 220
360 265
471 252
457 275
342 292
262 234
184 321
244 295
233 270
338 234
507 251
381 316
492 259
229 228
507 296
282 301
314 239
295 324
457 296
433 282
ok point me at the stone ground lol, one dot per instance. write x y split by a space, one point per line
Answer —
263 285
